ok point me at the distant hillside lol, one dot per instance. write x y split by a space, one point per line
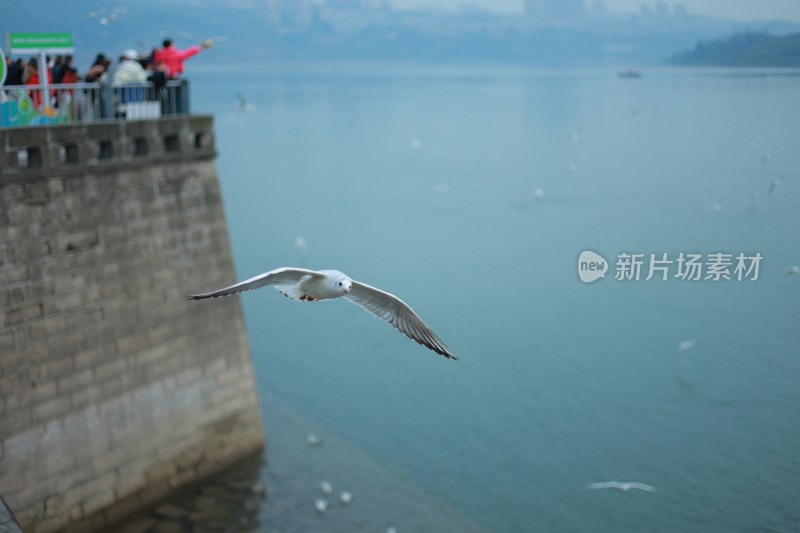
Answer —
258 32
749 49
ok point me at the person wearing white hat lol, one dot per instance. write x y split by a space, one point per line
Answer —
129 71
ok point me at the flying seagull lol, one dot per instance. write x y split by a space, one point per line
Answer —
685 346
622 487
326 487
243 104
313 285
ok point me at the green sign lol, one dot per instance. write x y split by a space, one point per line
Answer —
2 68
31 43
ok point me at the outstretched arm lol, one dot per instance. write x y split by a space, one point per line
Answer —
189 52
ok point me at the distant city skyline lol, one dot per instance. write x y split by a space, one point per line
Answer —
734 9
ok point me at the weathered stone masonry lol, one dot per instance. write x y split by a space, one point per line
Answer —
115 390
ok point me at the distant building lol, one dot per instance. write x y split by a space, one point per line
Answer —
566 10
349 16
680 12
598 9
240 4
534 8
555 10
292 15
355 4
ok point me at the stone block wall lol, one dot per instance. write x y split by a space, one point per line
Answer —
114 389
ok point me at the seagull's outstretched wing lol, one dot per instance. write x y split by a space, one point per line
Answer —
604 485
280 276
393 310
642 486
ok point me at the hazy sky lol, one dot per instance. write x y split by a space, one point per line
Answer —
735 9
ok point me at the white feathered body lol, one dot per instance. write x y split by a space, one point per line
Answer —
312 289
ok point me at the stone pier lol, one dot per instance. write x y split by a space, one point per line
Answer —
114 389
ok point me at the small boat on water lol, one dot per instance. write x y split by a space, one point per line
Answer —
629 73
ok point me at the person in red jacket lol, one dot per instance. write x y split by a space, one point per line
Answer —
173 58
33 79
70 74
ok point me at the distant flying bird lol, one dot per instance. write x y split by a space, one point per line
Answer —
685 346
538 193
416 144
102 18
321 505
243 104
326 487
313 440
301 244
315 285
442 188
572 168
766 158
792 270
622 487
345 497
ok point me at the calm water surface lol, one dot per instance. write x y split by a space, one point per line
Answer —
421 181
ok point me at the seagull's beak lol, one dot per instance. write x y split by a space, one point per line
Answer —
347 290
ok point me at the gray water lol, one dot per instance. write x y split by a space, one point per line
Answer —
420 180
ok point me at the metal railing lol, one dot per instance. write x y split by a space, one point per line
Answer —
34 105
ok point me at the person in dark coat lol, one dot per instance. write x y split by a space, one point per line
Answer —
15 72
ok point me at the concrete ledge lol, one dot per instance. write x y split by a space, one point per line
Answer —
81 148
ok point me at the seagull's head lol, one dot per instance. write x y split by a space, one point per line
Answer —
343 284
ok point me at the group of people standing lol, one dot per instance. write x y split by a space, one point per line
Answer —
159 66
20 72
163 63
133 69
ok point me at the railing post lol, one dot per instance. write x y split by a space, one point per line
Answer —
186 97
106 101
